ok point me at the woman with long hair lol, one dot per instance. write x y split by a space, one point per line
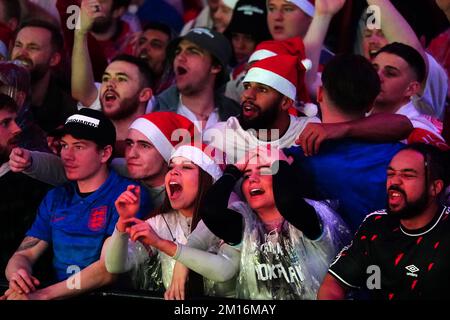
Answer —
131 247
285 242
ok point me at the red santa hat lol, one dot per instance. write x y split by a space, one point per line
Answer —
307 6
292 46
165 130
206 157
282 72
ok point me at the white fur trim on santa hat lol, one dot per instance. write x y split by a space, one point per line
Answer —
197 156
154 134
230 3
273 80
261 54
306 6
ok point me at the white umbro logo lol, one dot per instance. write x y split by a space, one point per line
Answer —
412 270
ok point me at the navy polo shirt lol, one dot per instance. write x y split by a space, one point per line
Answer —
76 227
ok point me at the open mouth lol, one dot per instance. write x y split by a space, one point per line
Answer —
181 71
175 189
395 197
256 192
143 55
110 96
278 28
249 109
27 63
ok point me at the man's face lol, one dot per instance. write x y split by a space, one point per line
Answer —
373 40
103 23
9 131
34 49
243 45
286 20
144 162
406 185
193 68
81 158
119 92
151 47
395 78
222 17
261 105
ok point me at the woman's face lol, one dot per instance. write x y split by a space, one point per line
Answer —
182 182
257 186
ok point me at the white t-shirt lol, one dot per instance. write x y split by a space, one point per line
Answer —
232 139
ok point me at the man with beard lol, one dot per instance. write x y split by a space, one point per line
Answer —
108 29
407 243
126 82
200 60
270 88
16 214
38 46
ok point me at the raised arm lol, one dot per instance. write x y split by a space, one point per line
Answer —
377 127
45 167
83 84
396 28
290 203
314 38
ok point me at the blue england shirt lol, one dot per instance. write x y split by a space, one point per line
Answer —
350 171
77 226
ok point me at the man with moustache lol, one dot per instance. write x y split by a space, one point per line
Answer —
38 46
16 214
74 218
270 88
408 242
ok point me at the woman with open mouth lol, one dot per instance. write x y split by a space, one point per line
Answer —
285 243
147 247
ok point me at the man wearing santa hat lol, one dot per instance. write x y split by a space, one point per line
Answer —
270 89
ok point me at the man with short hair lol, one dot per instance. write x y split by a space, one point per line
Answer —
402 70
407 242
337 171
151 46
76 217
38 46
21 195
200 60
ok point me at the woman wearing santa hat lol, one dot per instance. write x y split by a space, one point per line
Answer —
279 244
147 247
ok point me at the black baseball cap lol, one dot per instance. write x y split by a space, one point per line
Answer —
89 124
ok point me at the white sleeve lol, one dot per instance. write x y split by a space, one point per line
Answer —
202 238
96 105
219 267
122 255
46 167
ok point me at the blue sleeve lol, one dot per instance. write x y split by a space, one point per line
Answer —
41 227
